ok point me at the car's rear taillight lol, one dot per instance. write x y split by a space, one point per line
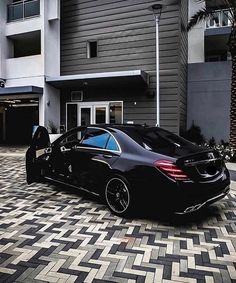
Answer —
171 170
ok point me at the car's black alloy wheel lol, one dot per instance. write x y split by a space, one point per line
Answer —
117 196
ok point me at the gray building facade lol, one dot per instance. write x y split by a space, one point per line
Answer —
108 63
209 89
209 74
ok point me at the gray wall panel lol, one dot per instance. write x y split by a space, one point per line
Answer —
209 98
125 31
182 80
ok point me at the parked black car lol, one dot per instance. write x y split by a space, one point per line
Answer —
126 163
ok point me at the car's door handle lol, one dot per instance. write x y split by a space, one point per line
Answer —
64 149
107 155
48 150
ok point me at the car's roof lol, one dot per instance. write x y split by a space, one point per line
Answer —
116 126
124 127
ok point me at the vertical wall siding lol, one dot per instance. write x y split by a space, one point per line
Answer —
125 31
182 87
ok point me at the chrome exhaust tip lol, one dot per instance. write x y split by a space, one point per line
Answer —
193 208
209 201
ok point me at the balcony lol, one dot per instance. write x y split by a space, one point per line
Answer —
221 19
25 68
22 10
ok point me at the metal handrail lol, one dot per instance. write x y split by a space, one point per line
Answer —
22 3
211 23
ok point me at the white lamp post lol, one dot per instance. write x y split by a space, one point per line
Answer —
156 9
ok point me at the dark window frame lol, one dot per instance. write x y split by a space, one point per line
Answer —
91 131
99 148
92 49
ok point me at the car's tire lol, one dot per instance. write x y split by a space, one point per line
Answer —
118 196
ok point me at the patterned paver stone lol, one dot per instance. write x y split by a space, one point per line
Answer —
50 233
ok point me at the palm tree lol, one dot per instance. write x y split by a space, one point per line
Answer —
209 12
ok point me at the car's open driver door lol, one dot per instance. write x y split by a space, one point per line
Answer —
38 145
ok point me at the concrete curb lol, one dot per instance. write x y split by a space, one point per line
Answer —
14 154
231 166
233 185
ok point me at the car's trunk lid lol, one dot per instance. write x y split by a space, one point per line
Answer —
199 163
202 166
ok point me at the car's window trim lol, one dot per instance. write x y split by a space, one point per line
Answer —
67 134
93 145
95 148
110 138
101 149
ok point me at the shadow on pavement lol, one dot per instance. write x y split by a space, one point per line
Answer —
169 219
150 213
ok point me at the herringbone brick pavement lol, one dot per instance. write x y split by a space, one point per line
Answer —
50 233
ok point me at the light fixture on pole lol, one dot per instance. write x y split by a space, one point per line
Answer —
156 9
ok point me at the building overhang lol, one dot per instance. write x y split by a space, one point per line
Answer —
21 90
218 31
135 78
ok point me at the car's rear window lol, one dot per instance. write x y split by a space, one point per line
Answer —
161 141
157 138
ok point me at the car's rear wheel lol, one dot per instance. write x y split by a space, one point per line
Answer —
118 196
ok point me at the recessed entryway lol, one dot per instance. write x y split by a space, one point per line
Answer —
17 118
88 113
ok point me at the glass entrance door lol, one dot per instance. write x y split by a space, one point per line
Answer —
89 113
101 114
71 115
85 115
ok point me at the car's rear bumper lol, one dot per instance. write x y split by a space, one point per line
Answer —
180 197
212 199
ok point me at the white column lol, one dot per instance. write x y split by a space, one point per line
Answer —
196 35
3 13
51 51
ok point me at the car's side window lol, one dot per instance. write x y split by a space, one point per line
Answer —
112 144
73 138
95 138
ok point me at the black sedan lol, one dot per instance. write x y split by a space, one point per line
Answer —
127 163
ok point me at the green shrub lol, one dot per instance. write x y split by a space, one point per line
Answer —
194 134
226 151
52 128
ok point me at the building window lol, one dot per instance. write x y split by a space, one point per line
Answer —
216 48
115 112
221 19
20 10
92 49
25 44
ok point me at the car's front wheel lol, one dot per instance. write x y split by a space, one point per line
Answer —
118 196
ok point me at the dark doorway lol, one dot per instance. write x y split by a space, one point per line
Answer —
19 124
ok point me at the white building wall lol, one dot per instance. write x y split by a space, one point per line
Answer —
32 70
51 44
3 46
28 25
196 35
27 70
30 67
